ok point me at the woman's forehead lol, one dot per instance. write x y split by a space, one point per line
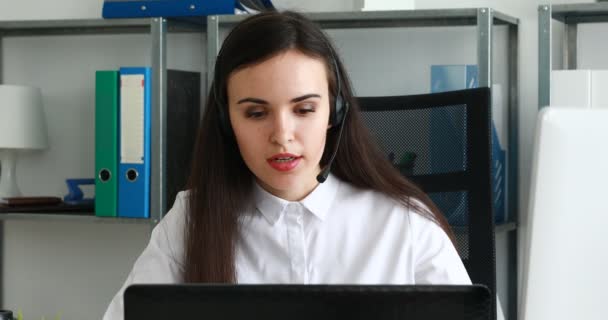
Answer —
288 71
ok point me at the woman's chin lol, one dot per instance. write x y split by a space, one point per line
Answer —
288 186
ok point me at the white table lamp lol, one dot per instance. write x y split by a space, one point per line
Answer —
22 127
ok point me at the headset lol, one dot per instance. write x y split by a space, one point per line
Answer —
336 117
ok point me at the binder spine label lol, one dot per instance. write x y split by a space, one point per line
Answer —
132 119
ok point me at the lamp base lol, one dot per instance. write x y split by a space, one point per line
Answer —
8 179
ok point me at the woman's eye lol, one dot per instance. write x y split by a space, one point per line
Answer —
255 114
304 111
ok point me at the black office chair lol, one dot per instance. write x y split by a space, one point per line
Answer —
441 142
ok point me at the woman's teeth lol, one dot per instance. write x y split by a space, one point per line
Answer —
284 159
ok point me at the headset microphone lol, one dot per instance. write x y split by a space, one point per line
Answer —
322 176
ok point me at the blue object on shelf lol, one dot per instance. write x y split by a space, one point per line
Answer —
165 8
75 195
134 166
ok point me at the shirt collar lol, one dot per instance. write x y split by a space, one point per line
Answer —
269 205
321 199
317 202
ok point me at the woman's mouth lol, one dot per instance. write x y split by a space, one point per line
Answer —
284 162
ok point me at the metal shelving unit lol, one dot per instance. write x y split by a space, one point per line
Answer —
484 19
570 15
157 28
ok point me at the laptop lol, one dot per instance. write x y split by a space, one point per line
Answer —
306 302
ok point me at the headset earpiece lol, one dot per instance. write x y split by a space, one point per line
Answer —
338 112
340 108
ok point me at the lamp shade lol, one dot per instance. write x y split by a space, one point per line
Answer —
22 120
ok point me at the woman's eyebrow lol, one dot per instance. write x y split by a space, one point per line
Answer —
304 97
294 100
254 100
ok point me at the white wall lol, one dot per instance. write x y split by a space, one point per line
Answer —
44 261
591 52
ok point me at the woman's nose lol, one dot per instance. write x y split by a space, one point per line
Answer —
282 129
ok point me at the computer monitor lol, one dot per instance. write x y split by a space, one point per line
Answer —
306 302
565 273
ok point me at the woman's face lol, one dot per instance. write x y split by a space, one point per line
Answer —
279 111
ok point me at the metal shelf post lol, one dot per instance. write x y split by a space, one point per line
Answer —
158 196
544 55
484 46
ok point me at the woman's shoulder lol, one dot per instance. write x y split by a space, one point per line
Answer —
176 216
180 203
350 193
182 196
414 210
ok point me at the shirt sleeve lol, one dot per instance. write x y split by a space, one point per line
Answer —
436 258
161 260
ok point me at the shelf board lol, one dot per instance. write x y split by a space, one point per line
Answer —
580 13
75 217
93 26
393 18
73 27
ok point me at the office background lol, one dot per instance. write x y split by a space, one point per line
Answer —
74 268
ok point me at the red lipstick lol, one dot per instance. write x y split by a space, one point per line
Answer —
284 161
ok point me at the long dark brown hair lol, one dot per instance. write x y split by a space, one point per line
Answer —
221 184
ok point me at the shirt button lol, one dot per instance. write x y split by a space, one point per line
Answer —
299 219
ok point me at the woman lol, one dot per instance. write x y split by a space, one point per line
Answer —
280 106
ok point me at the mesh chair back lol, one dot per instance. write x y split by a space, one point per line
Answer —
441 142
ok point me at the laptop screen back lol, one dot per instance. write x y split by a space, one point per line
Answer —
310 302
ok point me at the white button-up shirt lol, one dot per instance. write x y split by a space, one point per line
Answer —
338 234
